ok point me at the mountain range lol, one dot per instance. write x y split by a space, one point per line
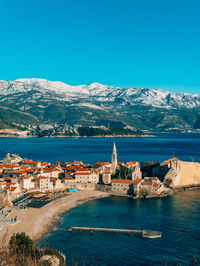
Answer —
39 101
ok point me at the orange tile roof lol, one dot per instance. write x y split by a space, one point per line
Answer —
44 164
4 165
70 173
53 179
12 165
30 162
137 181
78 162
81 173
126 181
146 183
43 177
102 163
83 170
50 170
12 188
24 167
68 178
25 176
151 177
155 185
95 171
131 163
6 178
172 159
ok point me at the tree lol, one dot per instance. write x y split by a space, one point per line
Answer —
21 243
123 172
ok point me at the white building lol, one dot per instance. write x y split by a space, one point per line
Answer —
44 183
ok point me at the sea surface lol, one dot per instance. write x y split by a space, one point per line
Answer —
177 217
89 150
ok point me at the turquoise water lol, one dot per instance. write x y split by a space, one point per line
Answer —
176 217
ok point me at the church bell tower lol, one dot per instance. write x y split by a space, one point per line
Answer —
114 159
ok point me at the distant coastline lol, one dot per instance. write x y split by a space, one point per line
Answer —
62 136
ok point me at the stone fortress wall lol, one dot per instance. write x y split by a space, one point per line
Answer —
185 173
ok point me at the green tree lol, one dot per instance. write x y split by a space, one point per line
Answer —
21 243
123 172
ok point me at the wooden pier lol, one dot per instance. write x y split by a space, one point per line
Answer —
142 233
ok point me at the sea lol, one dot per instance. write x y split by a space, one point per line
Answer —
176 216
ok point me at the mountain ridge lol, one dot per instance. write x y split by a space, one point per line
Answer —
143 108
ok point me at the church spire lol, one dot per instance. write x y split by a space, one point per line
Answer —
114 159
114 149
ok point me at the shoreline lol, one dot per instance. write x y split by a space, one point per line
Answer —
68 137
37 222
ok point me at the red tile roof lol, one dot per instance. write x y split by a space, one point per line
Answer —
102 163
137 181
126 181
30 162
81 174
132 163
44 164
12 188
43 177
146 183
68 178
53 179
172 159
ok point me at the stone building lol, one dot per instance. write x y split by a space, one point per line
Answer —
122 186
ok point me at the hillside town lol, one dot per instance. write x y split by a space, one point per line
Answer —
21 177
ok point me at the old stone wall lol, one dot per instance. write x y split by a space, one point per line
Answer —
5 198
103 188
86 186
184 174
189 174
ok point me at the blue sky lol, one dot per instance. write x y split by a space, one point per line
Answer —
127 43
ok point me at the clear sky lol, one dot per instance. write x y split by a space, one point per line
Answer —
127 43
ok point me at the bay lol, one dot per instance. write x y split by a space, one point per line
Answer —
177 217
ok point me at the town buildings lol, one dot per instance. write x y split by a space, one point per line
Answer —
19 176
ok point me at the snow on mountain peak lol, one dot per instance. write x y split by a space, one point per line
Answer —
99 93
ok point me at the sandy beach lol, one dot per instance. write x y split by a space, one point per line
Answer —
36 222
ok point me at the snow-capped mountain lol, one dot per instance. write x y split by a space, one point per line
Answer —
54 101
99 92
